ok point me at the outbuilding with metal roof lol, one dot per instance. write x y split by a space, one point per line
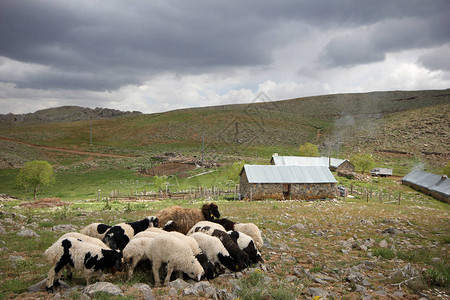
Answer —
286 182
431 184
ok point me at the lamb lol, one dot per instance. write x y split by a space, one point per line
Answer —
206 225
118 236
86 257
239 255
176 253
134 252
215 250
246 244
185 218
96 230
248 228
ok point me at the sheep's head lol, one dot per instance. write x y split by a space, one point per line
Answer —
210 211
195 270
154 221
170 226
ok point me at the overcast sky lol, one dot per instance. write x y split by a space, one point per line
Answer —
154 56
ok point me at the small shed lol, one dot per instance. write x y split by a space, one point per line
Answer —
259 182
431 184
339 165
382 172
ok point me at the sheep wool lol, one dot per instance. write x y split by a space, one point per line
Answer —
176 253
252 230
134 252
215 251
96 230
82 256
84 238
185 218
205 225
146 234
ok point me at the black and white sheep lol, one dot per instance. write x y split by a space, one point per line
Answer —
241 258
176 253
95 230
205 225
185 218
248 228
118 236
215 251
246 243
82 256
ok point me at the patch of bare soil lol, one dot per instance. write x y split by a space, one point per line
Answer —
47 202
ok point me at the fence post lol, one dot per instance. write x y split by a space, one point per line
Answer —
399 197
351 189
381 195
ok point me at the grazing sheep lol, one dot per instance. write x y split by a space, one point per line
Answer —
215 251
246 243
205 225
185 218
155 229
207 266
84 238
96 230
248 228
134 252
82 256
239 255
176 253
118 236
252 230
170 226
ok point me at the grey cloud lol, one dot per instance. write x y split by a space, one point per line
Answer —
103 45
437 59
370 44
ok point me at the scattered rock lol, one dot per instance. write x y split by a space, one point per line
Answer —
64 228
298 226
2 230
145 289
391 230
105 287
27 233
380 293
398 294
383 244
317 292
178 284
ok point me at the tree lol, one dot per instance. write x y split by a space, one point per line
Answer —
308 150
363 161
233 171
35 174
159 181
447 169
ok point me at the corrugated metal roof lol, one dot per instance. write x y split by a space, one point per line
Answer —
429 180
288 174
298 161
306 161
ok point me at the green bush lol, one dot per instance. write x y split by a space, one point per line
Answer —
384 252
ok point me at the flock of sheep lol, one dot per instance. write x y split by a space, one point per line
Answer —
194 242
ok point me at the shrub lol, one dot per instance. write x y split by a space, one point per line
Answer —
384 252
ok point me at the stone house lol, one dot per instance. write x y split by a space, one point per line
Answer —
258 182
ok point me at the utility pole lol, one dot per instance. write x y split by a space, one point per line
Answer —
90 133
203 144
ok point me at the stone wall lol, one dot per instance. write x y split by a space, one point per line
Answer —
346 167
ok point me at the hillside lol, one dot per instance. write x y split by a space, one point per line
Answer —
411 121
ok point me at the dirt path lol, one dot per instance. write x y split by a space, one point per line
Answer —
64 150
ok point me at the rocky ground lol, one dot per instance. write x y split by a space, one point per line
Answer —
330 249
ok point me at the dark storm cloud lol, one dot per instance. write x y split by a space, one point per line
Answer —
104 45
370 44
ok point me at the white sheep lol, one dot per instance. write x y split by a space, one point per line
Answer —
252 230
214 250
82 256
176 253
134 252
95 230
147 234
